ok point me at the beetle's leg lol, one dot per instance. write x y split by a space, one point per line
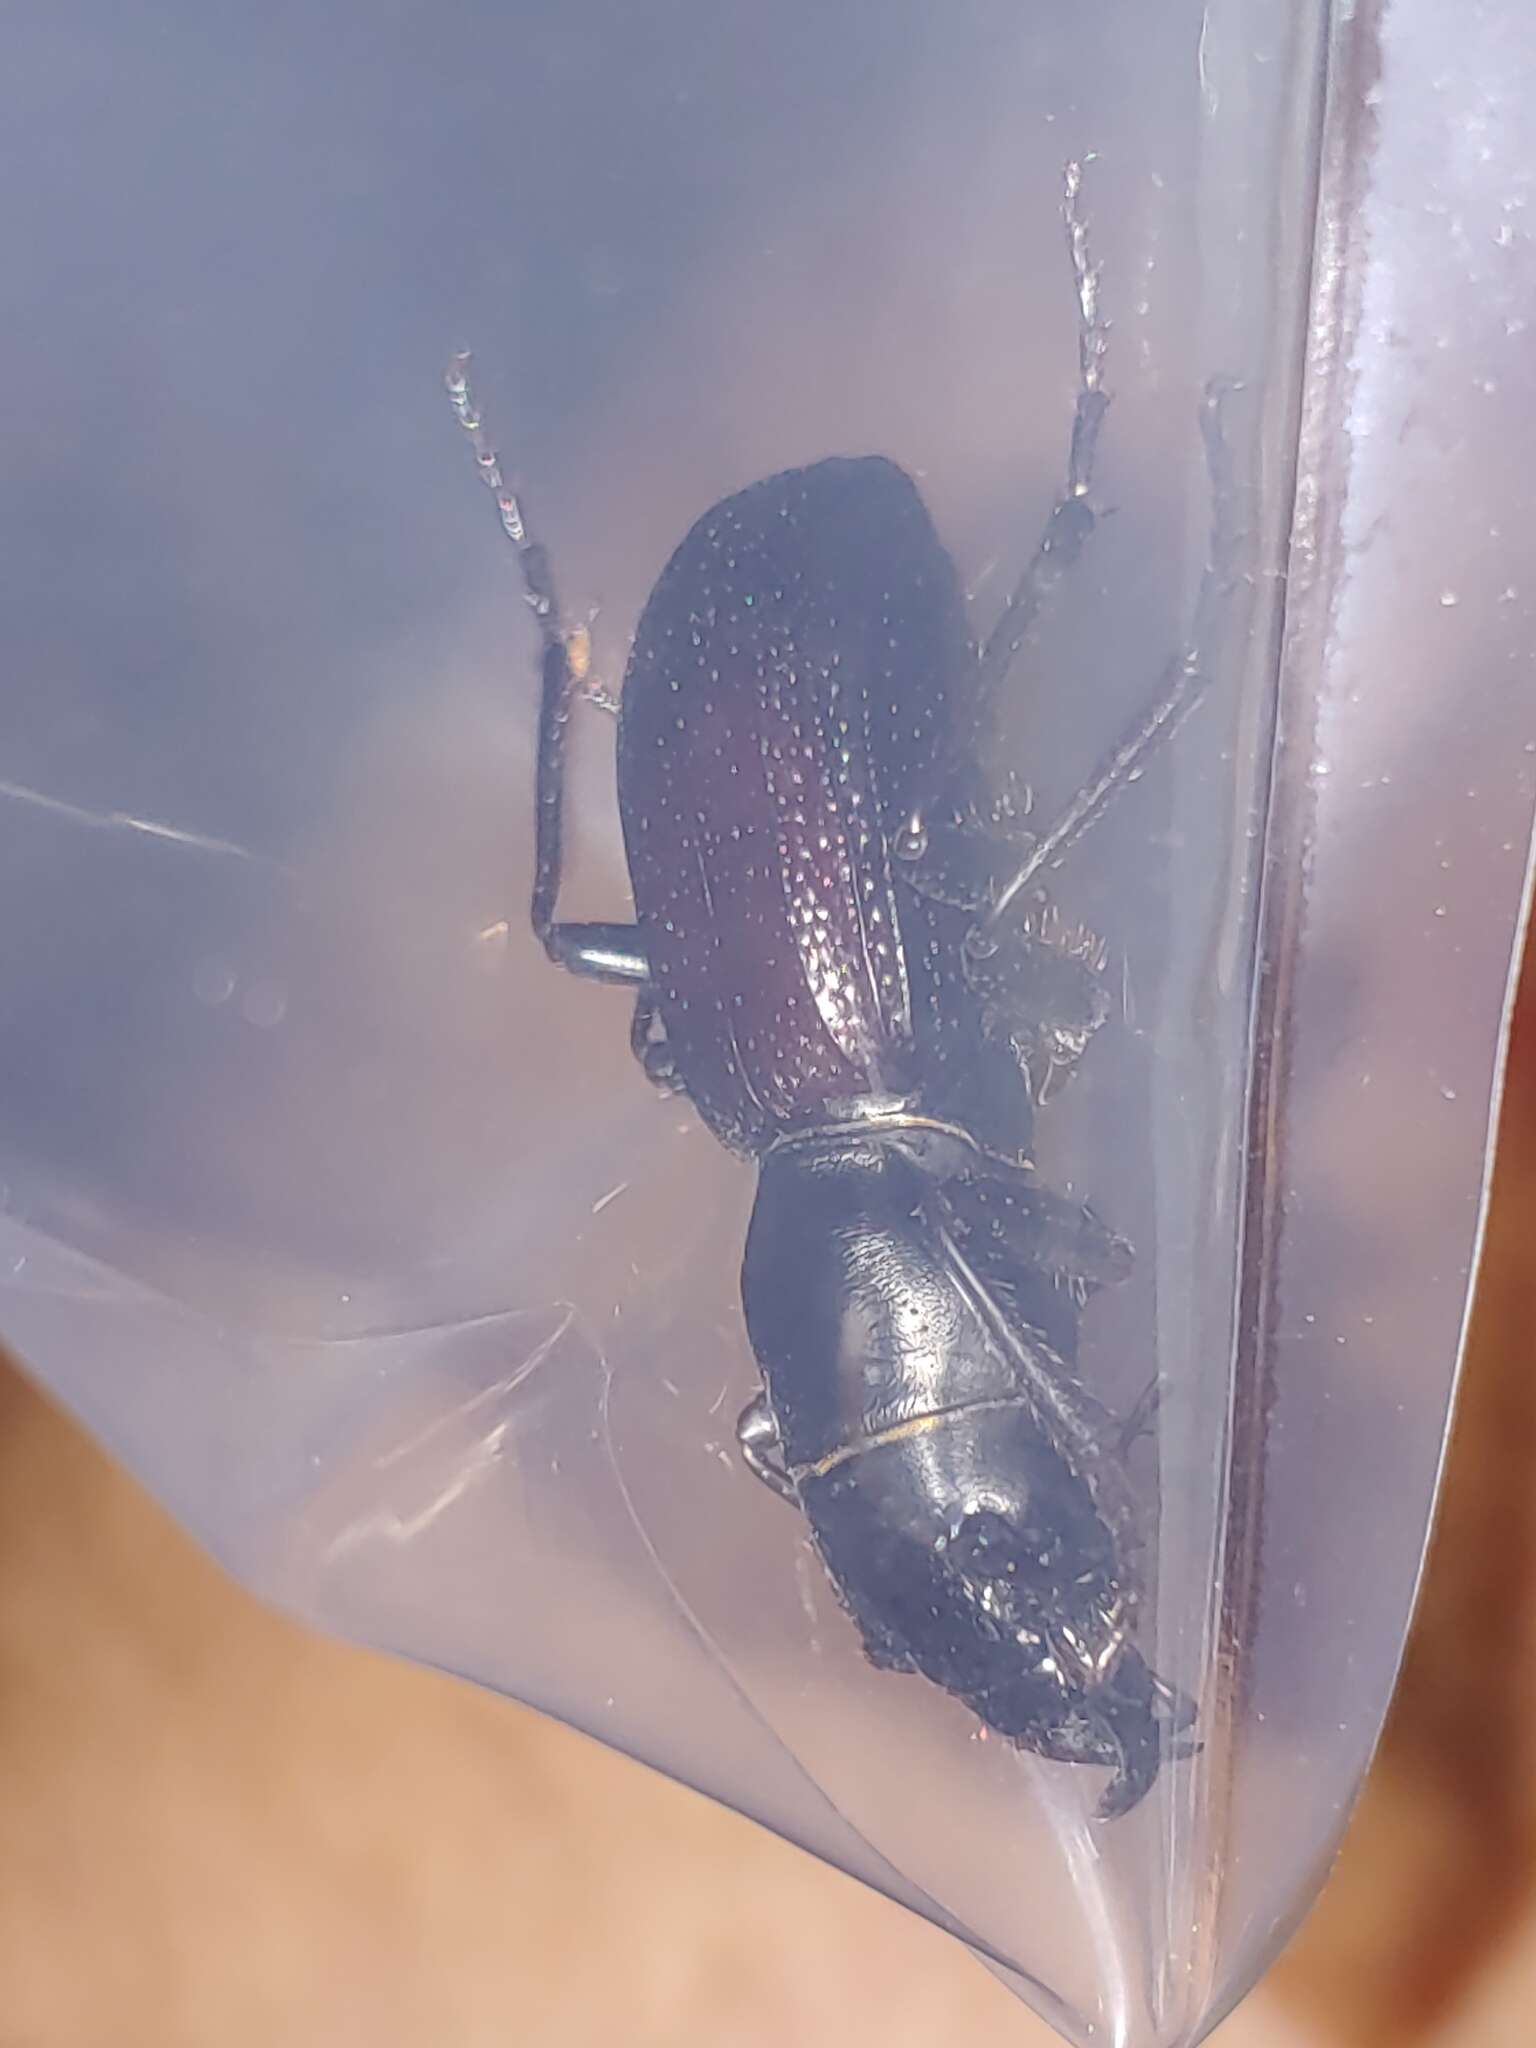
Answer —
961 863
1035 1257
1072 518
1006 1214
598 952
1178 1710
1079 1427
762 1451
1150 1723
1138 1745
1040 981
1142 1420
1183 683
1041 987
963 848
649 1045
589 687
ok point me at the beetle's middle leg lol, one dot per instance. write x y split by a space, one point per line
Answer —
597 952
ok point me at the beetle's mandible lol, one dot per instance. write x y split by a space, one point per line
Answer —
844 956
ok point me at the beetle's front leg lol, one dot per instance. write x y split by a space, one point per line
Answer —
597 952
762 1448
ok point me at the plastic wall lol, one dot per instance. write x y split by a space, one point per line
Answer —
347 1221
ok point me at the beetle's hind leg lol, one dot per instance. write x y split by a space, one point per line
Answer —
597 952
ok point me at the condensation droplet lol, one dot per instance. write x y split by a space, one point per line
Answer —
265 1005
213 981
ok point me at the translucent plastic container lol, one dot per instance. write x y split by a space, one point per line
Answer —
349 1222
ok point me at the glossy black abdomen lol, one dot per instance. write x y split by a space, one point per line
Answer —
796 671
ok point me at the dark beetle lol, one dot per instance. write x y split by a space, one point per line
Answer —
844 958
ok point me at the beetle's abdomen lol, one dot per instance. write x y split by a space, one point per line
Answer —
790 678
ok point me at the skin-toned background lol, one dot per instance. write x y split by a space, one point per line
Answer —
215 1828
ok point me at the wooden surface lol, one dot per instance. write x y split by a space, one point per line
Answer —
218 1832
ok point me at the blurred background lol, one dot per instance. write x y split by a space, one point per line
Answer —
216 1828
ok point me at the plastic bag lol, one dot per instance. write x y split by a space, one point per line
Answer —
351 1224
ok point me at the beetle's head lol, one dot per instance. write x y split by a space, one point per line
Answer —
1062 1675
1014 1596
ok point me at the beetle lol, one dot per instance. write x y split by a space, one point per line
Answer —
845 957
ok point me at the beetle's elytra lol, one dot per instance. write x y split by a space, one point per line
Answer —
844 956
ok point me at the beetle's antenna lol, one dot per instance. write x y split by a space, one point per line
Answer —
1072 518
538 583
1184 681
